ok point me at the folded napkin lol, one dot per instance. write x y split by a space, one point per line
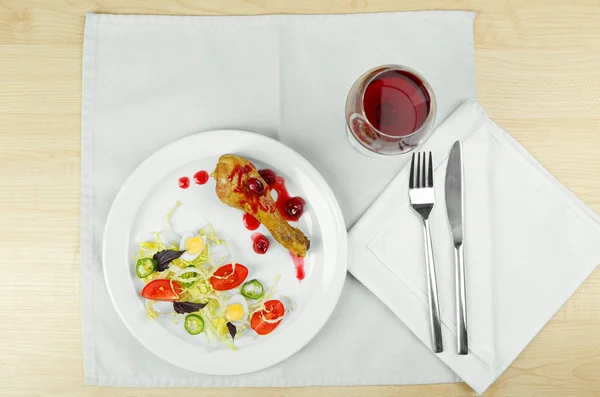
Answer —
149 80
529 243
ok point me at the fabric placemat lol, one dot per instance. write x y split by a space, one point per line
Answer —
149 80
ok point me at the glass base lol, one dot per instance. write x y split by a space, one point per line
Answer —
404 147
359 146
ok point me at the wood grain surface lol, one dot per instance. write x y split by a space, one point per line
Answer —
538 75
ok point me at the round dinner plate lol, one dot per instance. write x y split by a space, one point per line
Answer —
150 193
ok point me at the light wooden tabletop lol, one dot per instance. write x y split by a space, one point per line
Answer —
538 75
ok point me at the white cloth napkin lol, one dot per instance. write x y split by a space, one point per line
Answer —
149 80
529 243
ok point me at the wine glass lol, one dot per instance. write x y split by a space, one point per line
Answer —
390 110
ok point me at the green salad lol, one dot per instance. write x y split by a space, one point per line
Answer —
208 289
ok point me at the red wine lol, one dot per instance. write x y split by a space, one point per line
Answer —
396 103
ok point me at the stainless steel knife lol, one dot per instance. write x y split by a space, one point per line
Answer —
455 209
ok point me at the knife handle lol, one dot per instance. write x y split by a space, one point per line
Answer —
434 306
461 302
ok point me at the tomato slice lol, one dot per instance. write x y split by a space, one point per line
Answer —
273 310
161 290
227 277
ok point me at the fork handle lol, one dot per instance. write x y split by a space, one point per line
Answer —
434 306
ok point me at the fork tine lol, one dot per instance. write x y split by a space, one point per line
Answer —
423 182
411 178
430 174
418 175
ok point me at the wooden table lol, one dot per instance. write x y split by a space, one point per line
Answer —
538 75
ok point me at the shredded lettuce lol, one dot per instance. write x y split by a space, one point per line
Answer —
211 236
260 304
150 312
170 213
271 290
147 249
203 258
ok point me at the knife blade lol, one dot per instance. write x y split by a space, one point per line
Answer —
455 209
454 192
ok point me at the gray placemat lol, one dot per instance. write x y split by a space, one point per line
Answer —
149 80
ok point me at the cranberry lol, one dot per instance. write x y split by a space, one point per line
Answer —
268 175
256 186
295 207
261 244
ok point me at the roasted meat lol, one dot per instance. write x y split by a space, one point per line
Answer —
239 185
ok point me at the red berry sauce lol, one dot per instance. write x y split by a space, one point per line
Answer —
299 265
201 177
291 208
253 189
250 222
184 182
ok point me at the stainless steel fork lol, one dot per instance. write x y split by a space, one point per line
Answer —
422 200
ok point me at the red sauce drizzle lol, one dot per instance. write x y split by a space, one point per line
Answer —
253 200
239 172
184 182
291 208
250 222
299 265
201 177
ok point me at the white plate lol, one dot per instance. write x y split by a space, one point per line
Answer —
152 190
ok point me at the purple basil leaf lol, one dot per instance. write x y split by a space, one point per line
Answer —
232 330
187 307
163 258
